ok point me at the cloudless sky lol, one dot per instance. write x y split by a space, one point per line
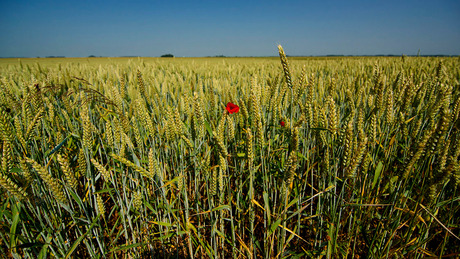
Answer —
231 28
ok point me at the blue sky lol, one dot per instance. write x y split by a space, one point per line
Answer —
231 28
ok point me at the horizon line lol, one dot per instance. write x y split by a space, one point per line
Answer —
224 56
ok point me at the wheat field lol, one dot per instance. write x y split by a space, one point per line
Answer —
283 157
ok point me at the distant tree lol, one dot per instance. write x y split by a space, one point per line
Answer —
91 56
167 56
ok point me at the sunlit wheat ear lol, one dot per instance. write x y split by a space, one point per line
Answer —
254 95
356 161
117 99
140 83
86 124
5 180
211 98
135 167
126 140
199 117
332 118
415 130
68 173
299 123
379 96
25 108
443 154
230 128
170 128
82 167
186 103
122 144
282 99
101 169
408 95
187 141
403 125
154 169
322 124
12 187
432 192
109 134
351 101
259 129
51 182
100 206
213 182
10 97
284 63
441 129
205 165
222 171
456 111
290 169
25 171
137 134
416 154
249 148
68 122
360 123
244 111
389 113
219 136
373 128
443 166
125 124
434 109
137 200
178 124
5 127
19 131
148 121
439 70
37 96
310 89
221 126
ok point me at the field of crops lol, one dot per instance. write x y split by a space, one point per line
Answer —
328 157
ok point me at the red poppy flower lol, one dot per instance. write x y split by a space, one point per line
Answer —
282 123
232 108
